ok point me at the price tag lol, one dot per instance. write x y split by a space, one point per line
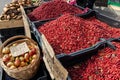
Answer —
48 46
20 49
56 70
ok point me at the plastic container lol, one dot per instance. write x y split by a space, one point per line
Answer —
30 9
7 33
37 36
64 58
73 57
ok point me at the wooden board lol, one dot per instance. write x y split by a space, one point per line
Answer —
17 23
54 67
26 22
0 42
11 24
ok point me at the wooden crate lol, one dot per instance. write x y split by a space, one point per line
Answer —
14 27
26 22
11 24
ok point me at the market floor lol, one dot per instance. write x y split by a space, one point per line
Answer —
2 4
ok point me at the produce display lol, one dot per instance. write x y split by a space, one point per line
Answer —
66 34
25 3
19 61
52 9
13 11
69 34
37 2
103 66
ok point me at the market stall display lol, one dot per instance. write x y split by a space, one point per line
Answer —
70 37
108 32
21 56
114 2
103 66
11 11
25 3
52 9
68 34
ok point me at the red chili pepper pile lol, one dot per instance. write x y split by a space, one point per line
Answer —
104 66
68 33
52 9
115 32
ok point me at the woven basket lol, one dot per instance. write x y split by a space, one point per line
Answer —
23 73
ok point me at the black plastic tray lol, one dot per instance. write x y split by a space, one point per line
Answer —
78 55
64 58
7 33
108 20
90 13
29 9
87 14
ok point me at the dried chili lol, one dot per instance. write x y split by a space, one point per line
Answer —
52 9
68 33
103 66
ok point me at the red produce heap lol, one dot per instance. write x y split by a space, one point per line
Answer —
68 34
52 9
104 66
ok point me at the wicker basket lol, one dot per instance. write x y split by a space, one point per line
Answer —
26 72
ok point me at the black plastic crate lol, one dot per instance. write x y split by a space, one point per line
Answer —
38 39
64 58
100 16
68 60
77 56
29 9
108 20
84 15
7 33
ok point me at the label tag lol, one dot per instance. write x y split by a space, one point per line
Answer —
20 49
59 71
48 46
56 70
